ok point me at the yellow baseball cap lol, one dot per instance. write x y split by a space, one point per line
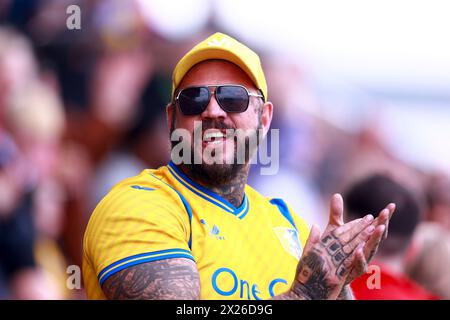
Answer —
223 47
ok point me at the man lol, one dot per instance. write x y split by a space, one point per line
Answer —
369 194
196 230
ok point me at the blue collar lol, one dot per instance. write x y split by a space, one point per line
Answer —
208 195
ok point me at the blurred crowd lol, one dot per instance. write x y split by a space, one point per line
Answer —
82 109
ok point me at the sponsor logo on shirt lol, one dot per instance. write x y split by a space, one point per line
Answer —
227 283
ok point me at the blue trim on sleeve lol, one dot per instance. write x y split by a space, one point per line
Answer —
142 258
282 206
139 256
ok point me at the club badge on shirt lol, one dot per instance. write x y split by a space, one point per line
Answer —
289 240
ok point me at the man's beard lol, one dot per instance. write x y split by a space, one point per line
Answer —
218 173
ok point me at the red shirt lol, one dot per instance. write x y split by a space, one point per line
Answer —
380 284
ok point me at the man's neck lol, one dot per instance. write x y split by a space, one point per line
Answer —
231 190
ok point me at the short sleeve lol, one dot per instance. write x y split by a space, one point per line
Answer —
134 225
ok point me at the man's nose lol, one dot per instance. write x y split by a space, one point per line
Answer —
213 110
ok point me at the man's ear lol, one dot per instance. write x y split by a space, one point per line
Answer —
266 116
170 114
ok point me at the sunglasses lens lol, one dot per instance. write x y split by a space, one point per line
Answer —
232 98
193 100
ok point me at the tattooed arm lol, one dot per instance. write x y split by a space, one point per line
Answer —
169 279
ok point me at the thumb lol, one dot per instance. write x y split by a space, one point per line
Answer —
336 210
314 237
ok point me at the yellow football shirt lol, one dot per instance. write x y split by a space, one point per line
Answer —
250 252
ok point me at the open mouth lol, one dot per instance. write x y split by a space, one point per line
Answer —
214 137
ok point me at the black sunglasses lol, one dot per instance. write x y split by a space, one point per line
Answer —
230 97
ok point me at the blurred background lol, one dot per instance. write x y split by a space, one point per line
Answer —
360 88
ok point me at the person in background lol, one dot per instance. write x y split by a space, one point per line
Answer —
21 277
438 200
368 195
429 254
32 196
36 120
144 145
428 259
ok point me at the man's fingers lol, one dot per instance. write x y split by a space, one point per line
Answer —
336 210
314 237
383 218
359 263
349 231
385 214
391 208
374 241
346 227
347 264
359 239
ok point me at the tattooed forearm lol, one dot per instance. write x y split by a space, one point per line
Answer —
158 280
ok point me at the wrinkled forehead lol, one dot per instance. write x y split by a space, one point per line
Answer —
215 72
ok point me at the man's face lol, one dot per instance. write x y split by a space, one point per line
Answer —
215 120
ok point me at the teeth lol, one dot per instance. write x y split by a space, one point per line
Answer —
213 135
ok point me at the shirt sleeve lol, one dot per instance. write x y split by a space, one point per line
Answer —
134 225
